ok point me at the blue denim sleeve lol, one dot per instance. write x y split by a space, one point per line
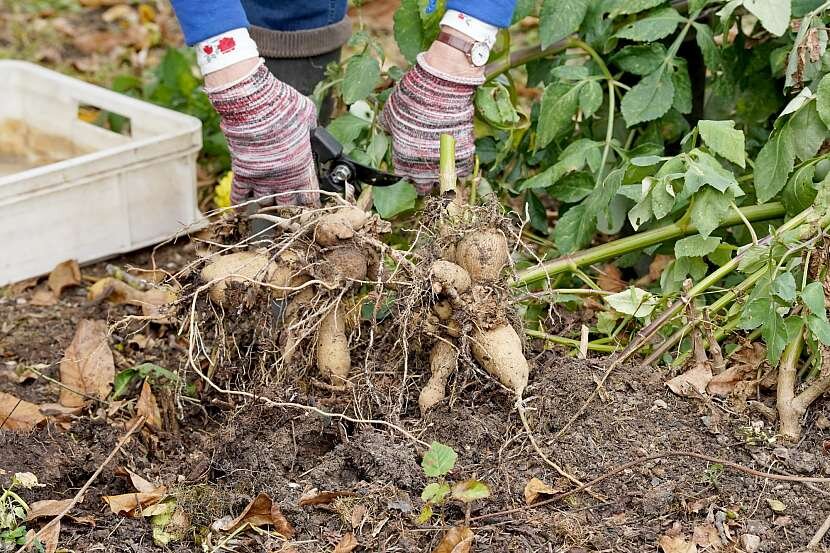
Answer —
202 19
494 12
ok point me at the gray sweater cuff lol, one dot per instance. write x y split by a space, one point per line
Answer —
301 44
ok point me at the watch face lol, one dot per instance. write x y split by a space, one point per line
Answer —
479 54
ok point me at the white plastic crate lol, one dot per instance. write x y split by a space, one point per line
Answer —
113 194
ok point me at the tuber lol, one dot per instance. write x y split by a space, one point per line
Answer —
246 266
483 254
446 276
333 359
341 225
442 362
499 351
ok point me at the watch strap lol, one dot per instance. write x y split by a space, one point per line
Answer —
465 46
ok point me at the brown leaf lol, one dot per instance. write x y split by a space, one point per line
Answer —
141 484
43 297
655 269
49 536
147 406
707 536
60 411
97 42
610 278
19 287
314 497
458 539
47 508
260 512
535 487
744 366
64 275
131 504
676 544
693 382
87 365
119 292
346 544
16 414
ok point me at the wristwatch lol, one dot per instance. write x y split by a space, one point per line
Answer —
477 52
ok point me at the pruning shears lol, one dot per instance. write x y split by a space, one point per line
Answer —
337 172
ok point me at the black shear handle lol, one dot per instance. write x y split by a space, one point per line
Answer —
335 169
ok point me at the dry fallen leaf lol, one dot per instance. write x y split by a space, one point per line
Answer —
60 411
119 292
676 544
147 406
693 382
19 287
47 508
458 539
49 536
64 275
43 297
535 487
610 278
707 536
655 269
346 544
16 414
87 365
315 497
131 504
260 512
743 367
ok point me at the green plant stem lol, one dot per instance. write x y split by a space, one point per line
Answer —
524 56
446 163
569 341
637 242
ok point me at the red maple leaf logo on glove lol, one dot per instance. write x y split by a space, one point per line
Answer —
208 49
226 44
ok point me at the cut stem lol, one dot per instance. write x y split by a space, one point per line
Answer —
447 176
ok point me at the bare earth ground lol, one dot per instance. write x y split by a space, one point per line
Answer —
223 453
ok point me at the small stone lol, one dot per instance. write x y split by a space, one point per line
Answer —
822 423
750 543
661 404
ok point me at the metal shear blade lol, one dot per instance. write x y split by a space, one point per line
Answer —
335 169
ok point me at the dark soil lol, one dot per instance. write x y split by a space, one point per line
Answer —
222 452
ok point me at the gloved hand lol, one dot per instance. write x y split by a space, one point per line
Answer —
267 124
427 103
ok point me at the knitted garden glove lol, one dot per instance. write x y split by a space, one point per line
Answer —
267 124
426 104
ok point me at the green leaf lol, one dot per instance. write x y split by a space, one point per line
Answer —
662 198
706 43
640 59
537 212
637 6
659 24
823 99
813 297
426 514
435 492
709 209
560 18
773 14
122 382
820 329
590 99
574 229
682 87
696 246
346 129
800 192
559 104
439 460
395 199
724 139
572 188
774 163
810 130
407 29
494 104
633 301
784 287
704 169
470 490
362 74
649 99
